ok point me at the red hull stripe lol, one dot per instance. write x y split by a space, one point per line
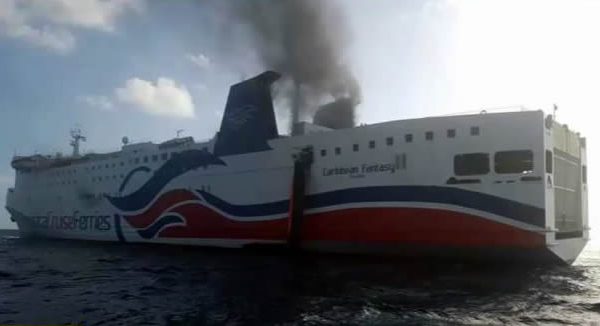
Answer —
361 225
203 222
415 226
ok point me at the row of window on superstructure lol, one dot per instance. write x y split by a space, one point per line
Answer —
132 161
505 162
94 179
136 160
107 178
408 138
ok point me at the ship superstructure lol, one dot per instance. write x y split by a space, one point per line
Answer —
507 185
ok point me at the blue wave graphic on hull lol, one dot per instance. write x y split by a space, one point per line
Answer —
264 209
176 166
429 194
131 173
152 230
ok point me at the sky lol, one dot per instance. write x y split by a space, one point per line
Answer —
145 69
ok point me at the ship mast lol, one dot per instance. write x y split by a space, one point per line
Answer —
76 139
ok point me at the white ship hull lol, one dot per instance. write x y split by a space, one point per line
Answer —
393 188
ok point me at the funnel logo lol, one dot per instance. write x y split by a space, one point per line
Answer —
240 116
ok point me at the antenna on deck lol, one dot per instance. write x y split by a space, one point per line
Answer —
179 132
554 109
76 138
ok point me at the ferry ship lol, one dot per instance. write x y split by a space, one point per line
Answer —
503 186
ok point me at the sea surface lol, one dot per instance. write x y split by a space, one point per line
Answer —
60 282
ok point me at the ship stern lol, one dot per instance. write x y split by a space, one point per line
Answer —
566 191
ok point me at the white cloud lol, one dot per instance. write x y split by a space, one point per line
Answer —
164 97
49 23
98 102
200 87
199 60
92 14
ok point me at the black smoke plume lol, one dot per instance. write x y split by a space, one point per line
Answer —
336 115
305 40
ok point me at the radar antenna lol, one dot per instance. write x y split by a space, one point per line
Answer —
179 132
76 138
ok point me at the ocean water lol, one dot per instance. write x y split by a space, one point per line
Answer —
59 282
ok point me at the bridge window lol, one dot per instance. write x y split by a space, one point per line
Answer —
145 159
471 164
355 147
164 156
451 133
408 138
372 144
389 141
474 131
513 161
549 161
154 158
584 173
323 152
429 135
338 151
